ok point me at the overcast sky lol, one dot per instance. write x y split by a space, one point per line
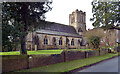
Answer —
62 9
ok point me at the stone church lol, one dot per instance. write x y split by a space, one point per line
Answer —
59 36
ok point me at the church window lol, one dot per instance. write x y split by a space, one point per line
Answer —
60 41
54 41
67 41
45 40
80 42
72 42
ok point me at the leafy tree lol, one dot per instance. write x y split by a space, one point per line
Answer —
95 41
92 35
94 32
19 18
106 14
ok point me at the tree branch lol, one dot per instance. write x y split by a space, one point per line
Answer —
115 27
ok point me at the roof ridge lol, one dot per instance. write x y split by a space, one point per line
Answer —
56 31
58 23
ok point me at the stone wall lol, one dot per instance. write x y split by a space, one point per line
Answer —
74 55
103 51
12 63
92 54
43 60
19 62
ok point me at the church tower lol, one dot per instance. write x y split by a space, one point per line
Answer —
78 20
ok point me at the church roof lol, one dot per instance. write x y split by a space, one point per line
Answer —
58 29
42 31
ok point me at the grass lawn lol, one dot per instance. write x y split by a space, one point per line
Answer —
59 51
33 52
108 47
68 66
111 47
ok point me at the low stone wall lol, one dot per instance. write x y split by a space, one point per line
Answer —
74 55
18 62
92 53
43 60
12 63
103 51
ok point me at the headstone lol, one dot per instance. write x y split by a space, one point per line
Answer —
35 47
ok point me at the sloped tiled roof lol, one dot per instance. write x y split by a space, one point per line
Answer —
58 29
42 31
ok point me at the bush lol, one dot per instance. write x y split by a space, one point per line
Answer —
95 41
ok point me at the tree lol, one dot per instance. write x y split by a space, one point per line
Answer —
94 32
106 14
95 41
19 18
94 35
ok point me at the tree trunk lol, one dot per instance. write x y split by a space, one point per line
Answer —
108 38
106 23
32 42
23 38
23 46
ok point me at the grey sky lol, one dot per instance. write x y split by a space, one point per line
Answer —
62 9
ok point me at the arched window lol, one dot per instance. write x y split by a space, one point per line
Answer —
72 42
80 42
67 41
60 41
54 41
45 40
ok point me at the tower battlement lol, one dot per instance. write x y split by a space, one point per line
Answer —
78 20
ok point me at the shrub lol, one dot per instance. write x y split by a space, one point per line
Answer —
95 41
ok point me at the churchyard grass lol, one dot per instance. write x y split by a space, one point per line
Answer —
57 51
70 65
33 52
45 52
10 53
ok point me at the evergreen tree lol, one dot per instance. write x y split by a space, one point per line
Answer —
105 14
18 18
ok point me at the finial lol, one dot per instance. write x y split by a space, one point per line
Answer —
76 9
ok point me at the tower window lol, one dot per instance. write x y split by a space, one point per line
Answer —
45 41
72 19
80 30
